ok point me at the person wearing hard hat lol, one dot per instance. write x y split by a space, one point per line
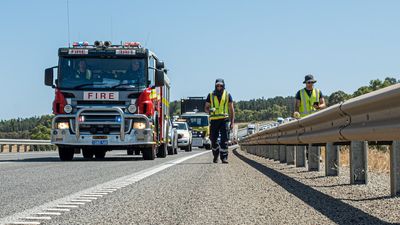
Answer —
309 99
219 105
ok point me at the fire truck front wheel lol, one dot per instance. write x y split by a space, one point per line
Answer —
162 151
65 153
149 153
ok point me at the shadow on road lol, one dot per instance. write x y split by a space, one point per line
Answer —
336 210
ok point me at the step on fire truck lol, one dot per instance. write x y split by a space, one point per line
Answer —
109 97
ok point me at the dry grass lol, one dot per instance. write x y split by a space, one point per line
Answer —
378 160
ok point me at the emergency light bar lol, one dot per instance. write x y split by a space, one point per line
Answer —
80 43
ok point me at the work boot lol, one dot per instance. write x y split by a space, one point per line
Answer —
215 153
224 156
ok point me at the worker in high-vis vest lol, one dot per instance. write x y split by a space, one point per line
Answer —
219 105
309 99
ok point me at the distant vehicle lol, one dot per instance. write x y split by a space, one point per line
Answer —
184 136
233 135
288 119
280 120
251 129
172 139
192 110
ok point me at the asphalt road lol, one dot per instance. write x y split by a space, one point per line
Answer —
183 189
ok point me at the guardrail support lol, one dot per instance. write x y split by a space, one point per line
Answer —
282 153
359 162
1 148
314 153
276 152
264 151
395 169
300 156
271 151
332 162
290 154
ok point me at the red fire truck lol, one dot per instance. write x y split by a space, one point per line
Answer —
109 97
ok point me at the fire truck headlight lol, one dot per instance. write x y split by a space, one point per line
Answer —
63 125
139 125
132 108
67 108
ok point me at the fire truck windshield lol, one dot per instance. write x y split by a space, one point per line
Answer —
89 73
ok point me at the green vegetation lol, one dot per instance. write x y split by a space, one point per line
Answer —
253 110
28 128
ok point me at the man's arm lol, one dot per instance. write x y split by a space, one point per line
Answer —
322 104
207 107
231 114
297 105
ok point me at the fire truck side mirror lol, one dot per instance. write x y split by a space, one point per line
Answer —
49 77
160 80
160 65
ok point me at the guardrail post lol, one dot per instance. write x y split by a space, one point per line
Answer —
266 148
18 148
276 152
314 153
10 148
359 162
290 154
264 151
300 156
271 152
282 153
332 156
395 169
25 148
1 148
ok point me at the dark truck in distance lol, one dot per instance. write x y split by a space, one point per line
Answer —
109 97
192 110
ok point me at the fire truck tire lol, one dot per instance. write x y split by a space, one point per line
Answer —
87 153
129 151
162 151
170 151
100 154
149 153
190 147
66 153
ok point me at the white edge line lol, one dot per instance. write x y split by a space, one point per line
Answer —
109 185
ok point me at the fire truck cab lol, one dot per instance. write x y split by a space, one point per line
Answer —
109 97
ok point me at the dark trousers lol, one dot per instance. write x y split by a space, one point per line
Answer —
219 128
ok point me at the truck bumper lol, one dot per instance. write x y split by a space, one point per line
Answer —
123 137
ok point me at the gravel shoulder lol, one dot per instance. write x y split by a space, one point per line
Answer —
250 190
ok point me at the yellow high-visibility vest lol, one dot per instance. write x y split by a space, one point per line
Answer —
307 102
221 107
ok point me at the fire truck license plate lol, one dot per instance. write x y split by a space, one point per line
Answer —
99 142
100 96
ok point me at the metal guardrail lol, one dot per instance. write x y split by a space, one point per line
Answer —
25 143
373 117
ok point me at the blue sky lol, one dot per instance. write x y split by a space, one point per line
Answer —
260 48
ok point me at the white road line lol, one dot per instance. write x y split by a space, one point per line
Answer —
107 186
67 206
86 198
92 195
37 218
80 200
26 223
48 214
58 210
73 203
